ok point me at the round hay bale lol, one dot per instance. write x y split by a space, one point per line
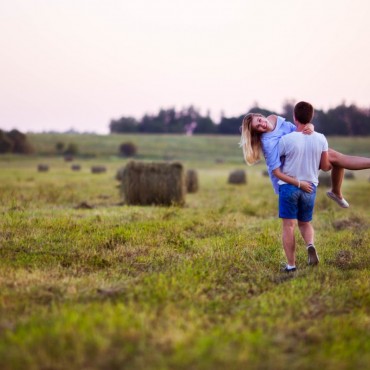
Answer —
237 177
349 175
324 179
75 167
98 169
153 183
68 158
119 173
192 183
43 168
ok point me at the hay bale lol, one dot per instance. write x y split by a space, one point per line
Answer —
153 183
191 180
98 169
75 167
43 167
349 175
119 173
324 179
237 177
68 158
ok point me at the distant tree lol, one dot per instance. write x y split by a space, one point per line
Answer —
288 108
6 145
357 120
263 111
152 124
21 144
230 126
205 125
124 124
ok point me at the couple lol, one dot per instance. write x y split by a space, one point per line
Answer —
304 152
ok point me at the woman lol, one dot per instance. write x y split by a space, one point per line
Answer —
262 134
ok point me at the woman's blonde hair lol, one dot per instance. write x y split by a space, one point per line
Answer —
250 140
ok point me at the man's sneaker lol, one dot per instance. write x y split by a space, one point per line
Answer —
313 258
286 269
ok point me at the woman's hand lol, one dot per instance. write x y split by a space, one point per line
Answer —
306 186
309 129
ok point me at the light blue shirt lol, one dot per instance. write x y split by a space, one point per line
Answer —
270 147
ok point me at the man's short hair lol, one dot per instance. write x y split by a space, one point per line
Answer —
303 112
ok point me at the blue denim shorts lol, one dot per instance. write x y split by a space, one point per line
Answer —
294 203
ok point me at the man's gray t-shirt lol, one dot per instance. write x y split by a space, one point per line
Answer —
302 155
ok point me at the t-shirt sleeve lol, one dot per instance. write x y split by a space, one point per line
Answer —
325 145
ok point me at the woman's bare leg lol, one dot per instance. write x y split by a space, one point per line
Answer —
337 175
343 161
349 162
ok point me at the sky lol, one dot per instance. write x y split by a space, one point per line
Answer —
77 64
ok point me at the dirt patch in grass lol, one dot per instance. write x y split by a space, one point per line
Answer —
84 205
352 223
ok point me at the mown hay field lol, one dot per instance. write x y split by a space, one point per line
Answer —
87 282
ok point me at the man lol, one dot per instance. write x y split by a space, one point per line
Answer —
303 156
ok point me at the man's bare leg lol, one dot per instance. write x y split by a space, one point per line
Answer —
307 232
289 240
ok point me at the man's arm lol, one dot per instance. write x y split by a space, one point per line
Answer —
304 185
325 165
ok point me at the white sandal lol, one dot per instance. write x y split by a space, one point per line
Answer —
341 202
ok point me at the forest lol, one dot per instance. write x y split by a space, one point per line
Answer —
343 120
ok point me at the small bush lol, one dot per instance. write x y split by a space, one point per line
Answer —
72 149
128 149
59 146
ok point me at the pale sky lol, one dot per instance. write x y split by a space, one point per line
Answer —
79 63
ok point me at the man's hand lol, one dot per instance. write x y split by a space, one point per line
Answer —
306 186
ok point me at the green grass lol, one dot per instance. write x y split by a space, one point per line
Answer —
198 148
197 287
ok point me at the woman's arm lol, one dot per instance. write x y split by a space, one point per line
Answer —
308 129
304 185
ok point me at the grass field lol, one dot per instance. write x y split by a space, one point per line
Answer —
197 287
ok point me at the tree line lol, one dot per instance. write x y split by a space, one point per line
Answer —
15 142
343 120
